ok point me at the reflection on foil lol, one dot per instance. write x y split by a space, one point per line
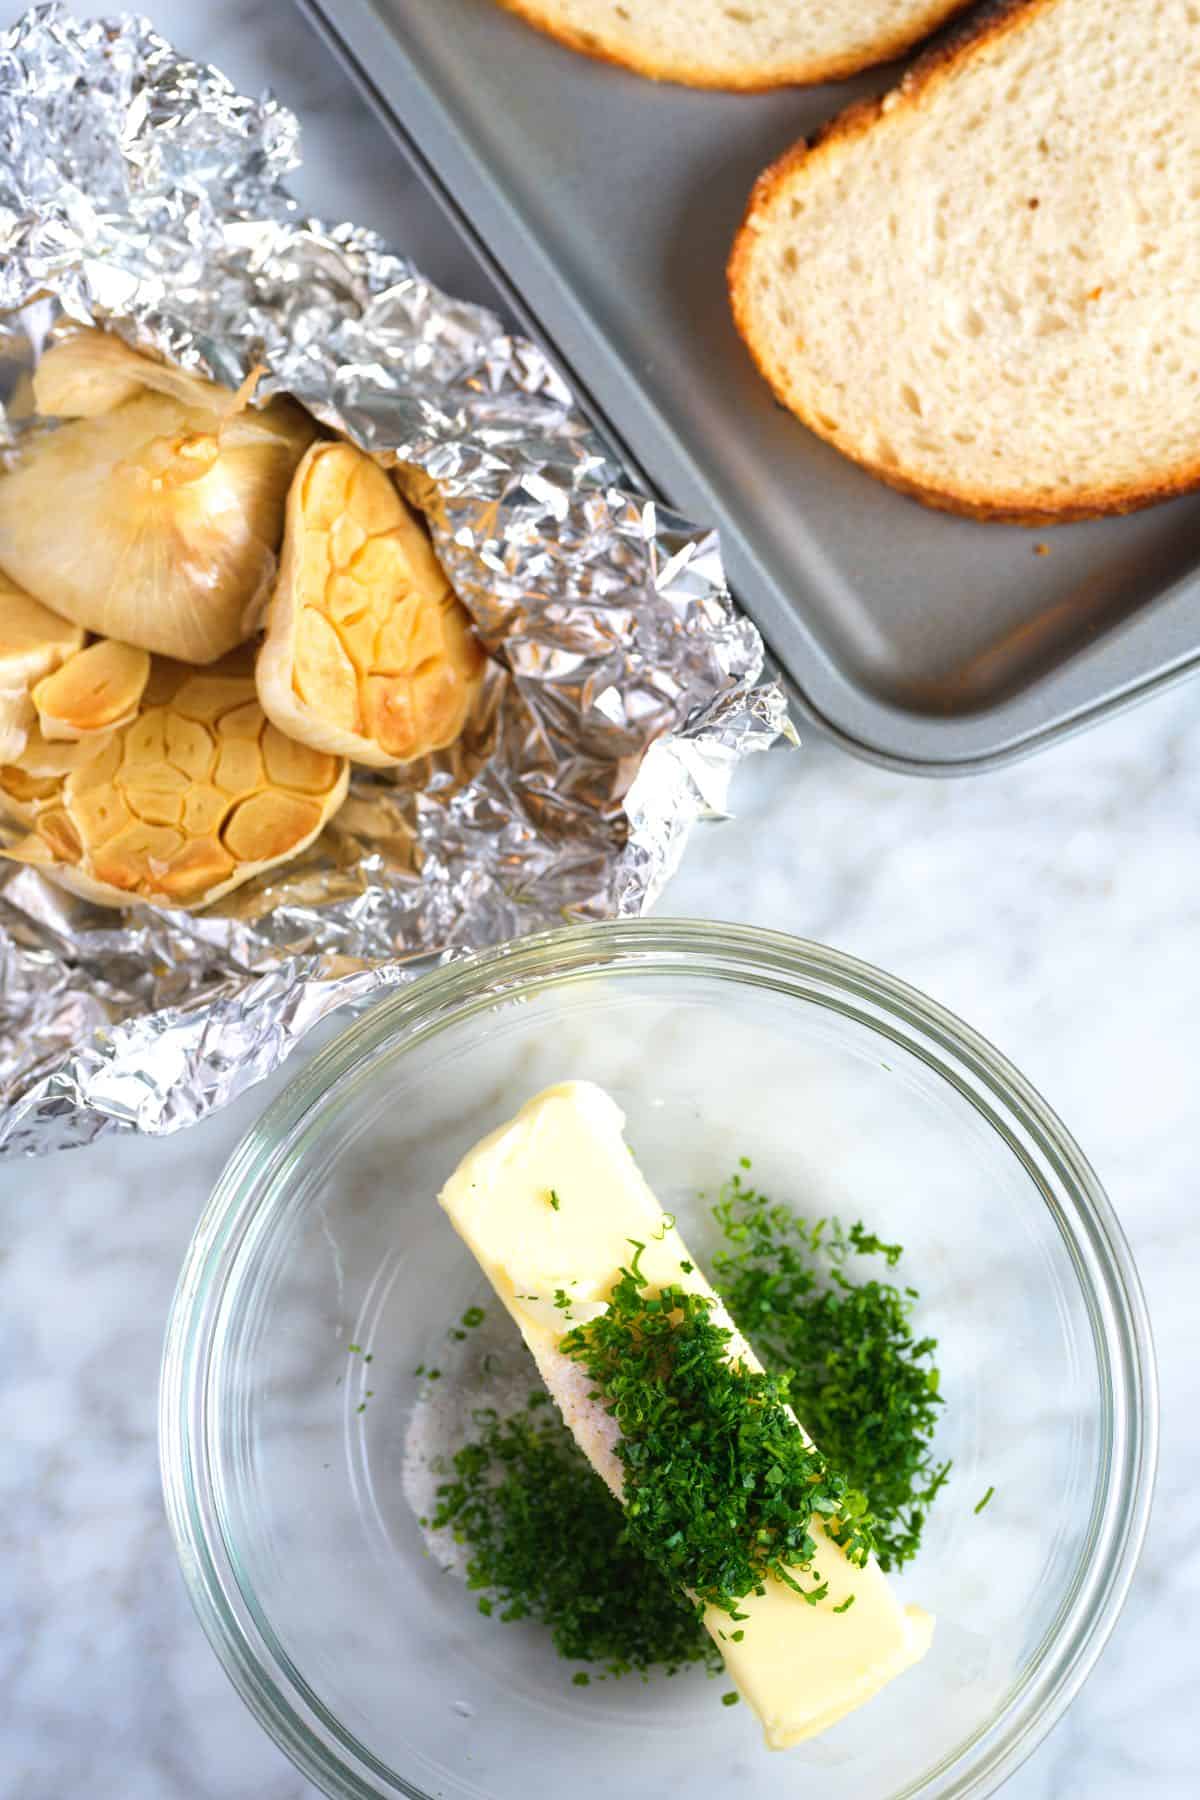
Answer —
140 191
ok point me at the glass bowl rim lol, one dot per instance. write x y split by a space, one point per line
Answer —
1104 1266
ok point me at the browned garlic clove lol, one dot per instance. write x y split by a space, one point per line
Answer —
92 693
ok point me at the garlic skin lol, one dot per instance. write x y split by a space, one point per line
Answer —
34 641
368 652
88 372
194 797
153 522
16 717
44 757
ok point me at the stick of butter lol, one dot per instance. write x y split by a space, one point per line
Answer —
548 1203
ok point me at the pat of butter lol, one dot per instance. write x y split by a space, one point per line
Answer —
549 1202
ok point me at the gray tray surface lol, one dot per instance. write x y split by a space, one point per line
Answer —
608 205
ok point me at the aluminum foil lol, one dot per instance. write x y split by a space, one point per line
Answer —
140 191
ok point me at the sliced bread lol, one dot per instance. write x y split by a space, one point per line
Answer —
739 43
985 287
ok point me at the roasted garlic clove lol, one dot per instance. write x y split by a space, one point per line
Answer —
33 641
92 693
154 522
199 793
367 653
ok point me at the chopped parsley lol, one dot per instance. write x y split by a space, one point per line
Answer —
549 1542
555 1202
865 1386
720 1489
985 1500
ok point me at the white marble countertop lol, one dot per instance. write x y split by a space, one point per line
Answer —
1055 905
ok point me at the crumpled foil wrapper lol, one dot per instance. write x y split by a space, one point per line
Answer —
139 190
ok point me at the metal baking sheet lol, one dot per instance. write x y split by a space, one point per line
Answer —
604 206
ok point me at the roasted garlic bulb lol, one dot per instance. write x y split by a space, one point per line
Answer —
153 516
199 793
33 642
367 652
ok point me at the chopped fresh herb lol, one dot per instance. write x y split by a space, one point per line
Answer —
370 1356
985 1500
473 1316
354 1349
361 1407
554 1199
847 1603
721 1490
668 1224
729 1699
457 1335
485 1606
563 1301
863 1383
419 1370
581 1678
737 1636
547 1541
435 1375
687 1267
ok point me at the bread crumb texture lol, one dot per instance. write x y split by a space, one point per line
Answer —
987 287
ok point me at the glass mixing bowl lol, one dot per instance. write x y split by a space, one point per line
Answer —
283 1449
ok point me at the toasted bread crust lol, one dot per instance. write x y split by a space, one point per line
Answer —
697 73
1070 505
